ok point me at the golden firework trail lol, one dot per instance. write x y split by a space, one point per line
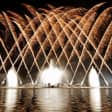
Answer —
76 38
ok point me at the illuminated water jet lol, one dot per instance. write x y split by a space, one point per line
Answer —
52 75
12 78
95 93
76 35
93 78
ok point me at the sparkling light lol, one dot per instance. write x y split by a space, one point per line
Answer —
12 79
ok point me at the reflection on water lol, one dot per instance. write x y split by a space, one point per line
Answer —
55 100
10 101
95 99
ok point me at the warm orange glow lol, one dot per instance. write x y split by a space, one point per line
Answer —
75 35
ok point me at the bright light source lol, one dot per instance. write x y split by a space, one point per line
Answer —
52 75
94 78
12 79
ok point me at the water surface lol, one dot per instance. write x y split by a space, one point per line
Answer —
56 100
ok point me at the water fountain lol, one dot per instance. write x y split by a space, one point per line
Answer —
12 78
93 78
52 76
95 92
50 35
61 57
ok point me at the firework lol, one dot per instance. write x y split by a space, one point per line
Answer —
76 38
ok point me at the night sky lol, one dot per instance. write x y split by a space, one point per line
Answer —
16 4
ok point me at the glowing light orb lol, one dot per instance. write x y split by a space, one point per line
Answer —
12 79
52 75
94 78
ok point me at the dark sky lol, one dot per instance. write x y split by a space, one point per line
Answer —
16 4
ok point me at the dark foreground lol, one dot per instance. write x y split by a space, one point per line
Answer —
56 100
